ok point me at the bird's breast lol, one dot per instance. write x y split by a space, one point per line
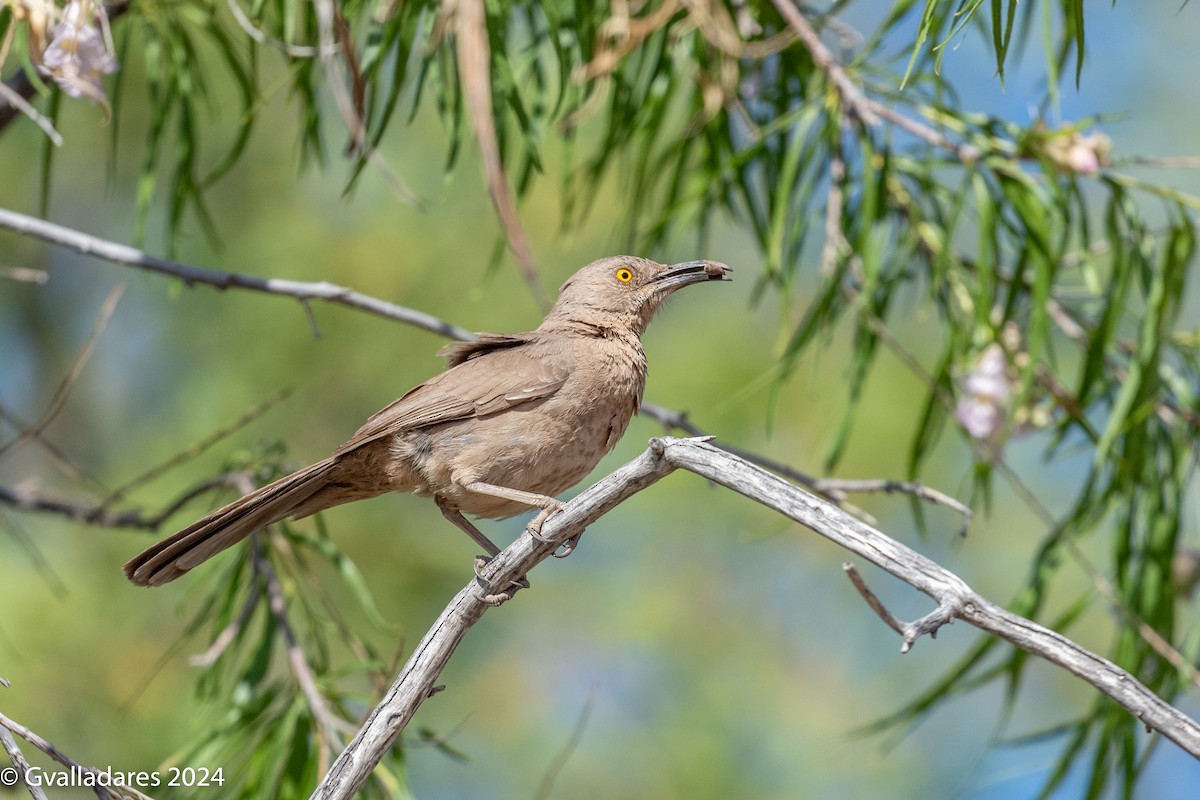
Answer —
544 446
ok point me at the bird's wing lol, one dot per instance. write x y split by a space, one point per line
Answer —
482 380
458 352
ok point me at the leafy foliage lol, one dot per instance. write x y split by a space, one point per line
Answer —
854 167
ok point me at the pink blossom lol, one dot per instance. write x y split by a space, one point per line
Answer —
983 406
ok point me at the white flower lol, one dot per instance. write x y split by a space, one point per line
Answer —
1080 154
983 406
78 53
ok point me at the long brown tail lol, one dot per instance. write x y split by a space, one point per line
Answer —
225 527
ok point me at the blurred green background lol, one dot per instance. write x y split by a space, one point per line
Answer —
695 645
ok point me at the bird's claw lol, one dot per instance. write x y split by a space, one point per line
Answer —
565 548
487 593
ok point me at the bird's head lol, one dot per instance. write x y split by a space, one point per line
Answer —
627 290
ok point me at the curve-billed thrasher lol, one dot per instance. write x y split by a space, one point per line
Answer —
512 421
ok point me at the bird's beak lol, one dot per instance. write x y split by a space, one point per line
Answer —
689 272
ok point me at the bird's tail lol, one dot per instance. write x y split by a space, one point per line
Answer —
227 526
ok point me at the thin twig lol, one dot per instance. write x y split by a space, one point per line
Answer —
260 36
225 638
855 102
59 398
20 763
827 486
1167 162
24 274
30 500
21 86
328 723
15 100
569 747
62 758
58 457
192 275
36 557
874 602
327 13
196 449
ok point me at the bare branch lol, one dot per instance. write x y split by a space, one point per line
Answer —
24 274
832 489
547 783
101 515
954 598
58 456
102 792
192 275
73 372
855 103
20 86
15 99
30 500
18 760
874 602
853 99
328 723
833 486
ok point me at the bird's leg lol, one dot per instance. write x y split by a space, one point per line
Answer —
464 524
549 506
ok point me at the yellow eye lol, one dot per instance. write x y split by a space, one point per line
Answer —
624 275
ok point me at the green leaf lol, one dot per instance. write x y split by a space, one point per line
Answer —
350 575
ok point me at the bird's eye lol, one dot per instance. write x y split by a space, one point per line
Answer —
624 275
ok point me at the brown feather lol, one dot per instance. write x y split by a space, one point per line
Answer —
512 421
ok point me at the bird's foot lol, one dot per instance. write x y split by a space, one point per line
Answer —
487 590
549 507
535 528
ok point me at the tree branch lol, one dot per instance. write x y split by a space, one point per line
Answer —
854 102
192 275
103 792
102 515
19 761
954 598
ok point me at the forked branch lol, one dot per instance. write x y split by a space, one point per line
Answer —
954 598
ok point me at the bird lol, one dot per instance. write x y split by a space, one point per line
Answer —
512 421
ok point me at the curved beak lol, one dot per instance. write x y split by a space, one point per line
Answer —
689 272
